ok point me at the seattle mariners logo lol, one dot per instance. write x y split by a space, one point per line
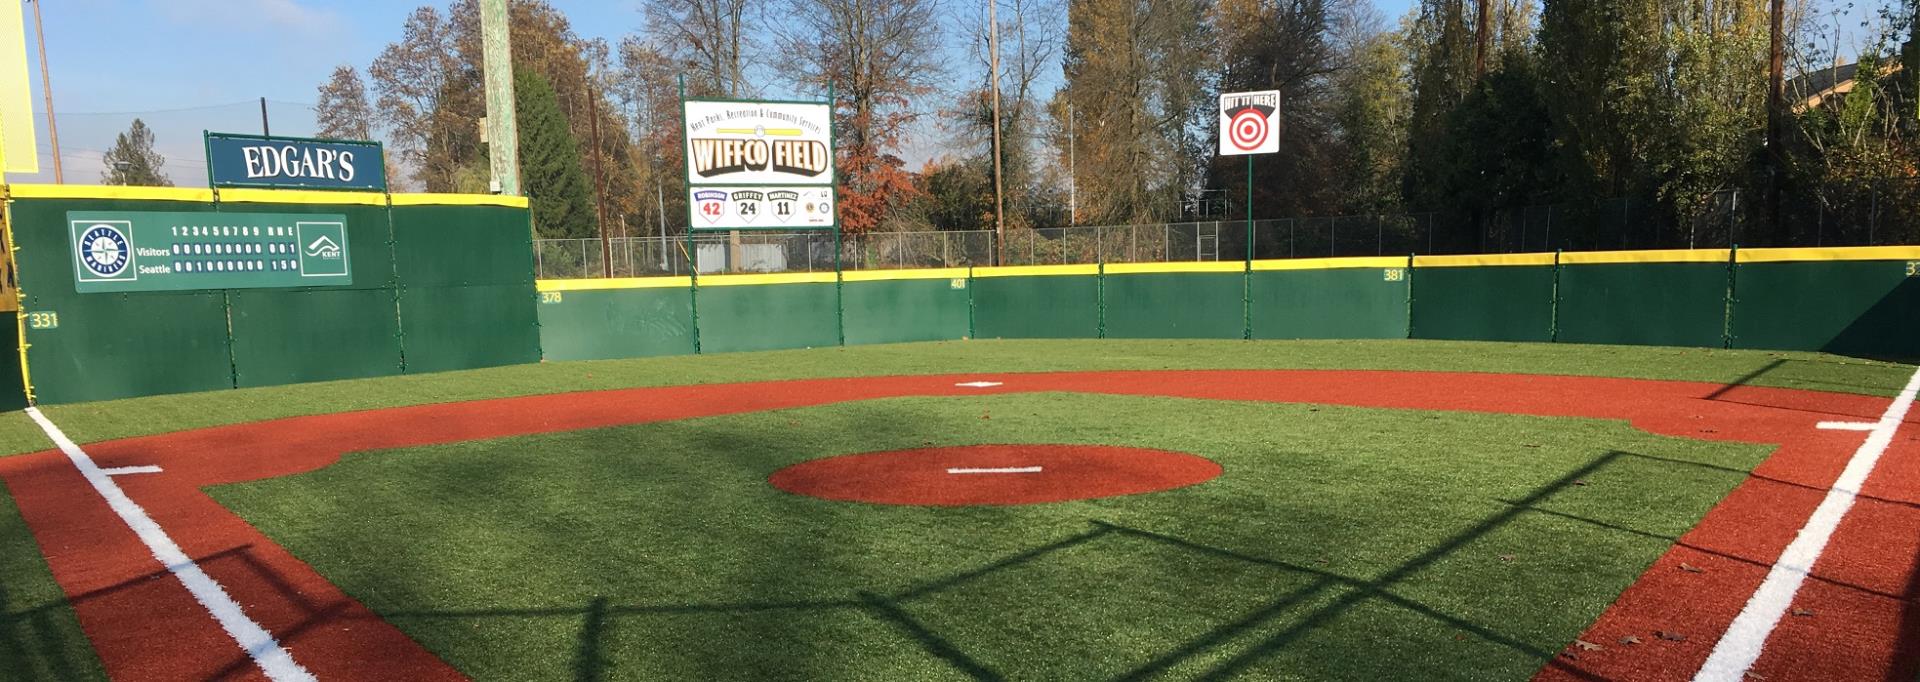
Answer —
104 250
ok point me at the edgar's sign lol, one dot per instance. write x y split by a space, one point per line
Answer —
1250 123
758 143
254 161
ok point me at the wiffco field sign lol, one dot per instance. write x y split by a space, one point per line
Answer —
759 165
294 163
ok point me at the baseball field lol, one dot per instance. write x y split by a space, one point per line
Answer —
1020 510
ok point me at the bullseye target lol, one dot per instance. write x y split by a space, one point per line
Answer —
1248 122
1248 129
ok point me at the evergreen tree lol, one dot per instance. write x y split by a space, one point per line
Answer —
550 163
133 161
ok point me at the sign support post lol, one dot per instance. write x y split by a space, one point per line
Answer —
1249 125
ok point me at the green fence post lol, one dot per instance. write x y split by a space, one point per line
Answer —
1733 270
1410 271
839 289
972 331
1553 310
393 270
693 288
1100 297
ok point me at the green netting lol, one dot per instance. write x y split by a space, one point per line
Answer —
1036 307
899 311
1490 303
1853 307
1348 303
1660 304
1175 306
768 317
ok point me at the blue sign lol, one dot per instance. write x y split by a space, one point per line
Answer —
294 163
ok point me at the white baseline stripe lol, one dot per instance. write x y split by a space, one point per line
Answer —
1004 470
255 640
1741 645
1847 426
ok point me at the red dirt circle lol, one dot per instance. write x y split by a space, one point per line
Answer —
994 474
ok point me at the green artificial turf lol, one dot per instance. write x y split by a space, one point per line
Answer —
39 637
1341 543
90 422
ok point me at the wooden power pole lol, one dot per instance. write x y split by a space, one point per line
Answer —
1776 104
503 132
46 88
999 203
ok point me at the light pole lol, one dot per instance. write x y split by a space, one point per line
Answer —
46 88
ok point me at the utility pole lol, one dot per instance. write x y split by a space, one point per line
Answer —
503 134
1483 36
264 130
46 88
999 204
1776 102
1073 172
599 184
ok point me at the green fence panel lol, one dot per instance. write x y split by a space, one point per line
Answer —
1869 308
768 317
116 345
1655 304
111 346
462 246
905 310
1485 303
1344 303
1182 305
13 393
616 323
452 328
1036 307
290 336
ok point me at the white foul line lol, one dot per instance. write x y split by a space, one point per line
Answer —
255 640
980 384
1741 645
1004 470
1847 426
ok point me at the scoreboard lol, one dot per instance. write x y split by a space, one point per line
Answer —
120 251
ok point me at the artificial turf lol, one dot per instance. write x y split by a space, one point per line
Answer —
39 635
1341 543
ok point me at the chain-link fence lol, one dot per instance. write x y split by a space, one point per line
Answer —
761 252
1876 214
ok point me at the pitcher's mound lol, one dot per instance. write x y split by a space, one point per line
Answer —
994 474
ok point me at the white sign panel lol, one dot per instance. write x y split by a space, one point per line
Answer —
761 208
759 143
1250 123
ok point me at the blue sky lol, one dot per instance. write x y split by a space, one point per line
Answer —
189 65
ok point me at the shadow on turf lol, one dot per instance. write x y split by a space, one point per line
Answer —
590 661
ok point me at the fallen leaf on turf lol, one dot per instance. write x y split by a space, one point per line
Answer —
1690 568
1580 482
1630 639
1570 655
1529 445
1506 557
1670 636
1586 645
1755 676
1802 612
